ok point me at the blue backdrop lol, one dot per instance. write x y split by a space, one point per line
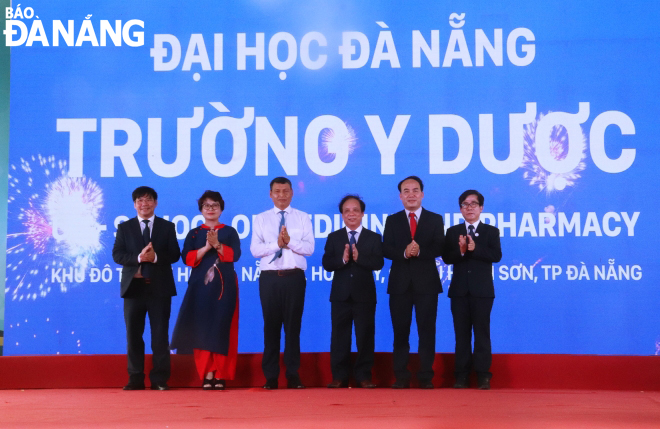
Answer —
548 108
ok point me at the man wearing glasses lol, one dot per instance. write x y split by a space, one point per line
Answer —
472 247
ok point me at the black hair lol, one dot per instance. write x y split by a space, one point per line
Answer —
281 181
213 196
143 191
349 197
415 178
469 192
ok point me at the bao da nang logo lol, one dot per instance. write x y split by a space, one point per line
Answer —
24 28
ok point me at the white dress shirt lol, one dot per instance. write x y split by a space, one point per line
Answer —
357 230
476 225
265 231
417 212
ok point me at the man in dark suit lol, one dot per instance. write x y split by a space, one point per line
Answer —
472 247
352 253
146 246
413 238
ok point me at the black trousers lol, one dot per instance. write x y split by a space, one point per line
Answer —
344 314
282 302
136 307
426 312
472 313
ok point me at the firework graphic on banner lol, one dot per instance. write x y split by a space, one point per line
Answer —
53 225
332 140
539 176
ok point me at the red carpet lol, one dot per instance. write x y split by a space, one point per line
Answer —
510 371
325 408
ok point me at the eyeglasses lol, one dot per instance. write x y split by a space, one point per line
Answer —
472 205
215 206
145 200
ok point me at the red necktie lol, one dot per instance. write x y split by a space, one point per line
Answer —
413 224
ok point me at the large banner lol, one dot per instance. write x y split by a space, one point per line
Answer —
550 109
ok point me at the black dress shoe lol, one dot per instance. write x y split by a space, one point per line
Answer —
338 383
461 383
208 384
159 386
134 386
401 384
366 384
426 384
219 384
294 383
271 384
484 384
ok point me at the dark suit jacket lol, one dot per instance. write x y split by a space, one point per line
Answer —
354 279
419 273
473 272
129 244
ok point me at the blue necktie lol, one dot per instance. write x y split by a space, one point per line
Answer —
278 254
146 237
471 230
351 243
